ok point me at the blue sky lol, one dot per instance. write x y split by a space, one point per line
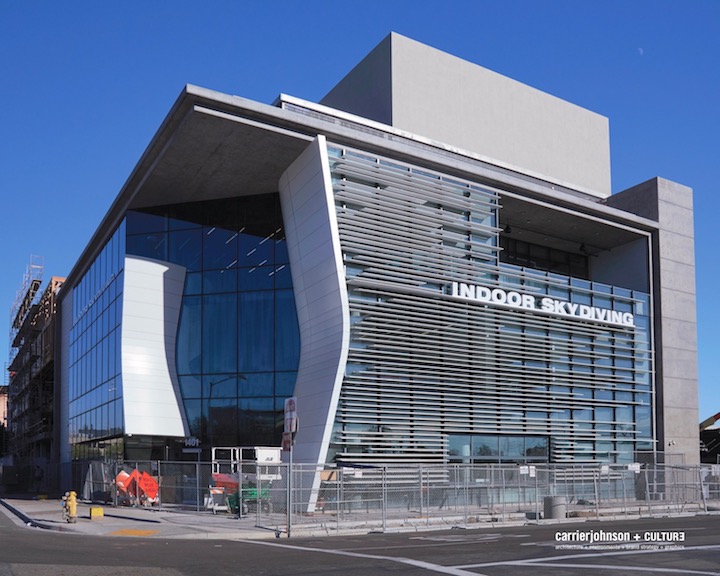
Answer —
85 85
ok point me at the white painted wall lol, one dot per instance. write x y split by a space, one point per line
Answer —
313 242
152 296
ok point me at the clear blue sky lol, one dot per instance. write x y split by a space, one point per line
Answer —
84 86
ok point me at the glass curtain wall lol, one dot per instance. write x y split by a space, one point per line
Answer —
95 384
237 347
238 340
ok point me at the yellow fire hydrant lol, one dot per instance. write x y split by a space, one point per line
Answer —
69 503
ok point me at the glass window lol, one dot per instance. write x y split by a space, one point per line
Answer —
185 248
282 276
220 386
220 281
256 384
255 250
195 417
485 447
187 215
188 343
193 283
511 447
223 213
536 447
285 384
219 352
281 253
143 223
287 334
256 348
222 421
583 419
643 419
604 416
148 245
459 448
257 419
190 386
256 278
219 248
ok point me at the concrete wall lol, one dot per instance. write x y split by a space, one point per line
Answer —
445 98
671 204
367 89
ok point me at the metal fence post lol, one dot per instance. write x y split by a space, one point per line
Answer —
240 493
338 480
420 475
384 499
537 501
596 475
160 483
289 494
115 487
258 491
197 486
502 491
702 489
467 472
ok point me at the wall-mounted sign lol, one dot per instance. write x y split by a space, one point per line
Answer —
544 304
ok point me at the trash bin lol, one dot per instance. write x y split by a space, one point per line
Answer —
555 507
233 502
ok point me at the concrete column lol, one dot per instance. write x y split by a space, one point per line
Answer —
671 205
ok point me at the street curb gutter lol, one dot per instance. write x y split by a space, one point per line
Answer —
27 520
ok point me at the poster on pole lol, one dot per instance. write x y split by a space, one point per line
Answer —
291 424
287 441
291 419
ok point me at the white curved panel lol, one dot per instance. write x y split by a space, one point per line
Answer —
152 296
313 242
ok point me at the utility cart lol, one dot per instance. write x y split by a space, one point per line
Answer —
256 466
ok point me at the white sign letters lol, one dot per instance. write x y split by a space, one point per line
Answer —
513 299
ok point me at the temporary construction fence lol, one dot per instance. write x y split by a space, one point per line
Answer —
341 499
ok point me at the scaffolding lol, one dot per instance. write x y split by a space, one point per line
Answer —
27 296
31 420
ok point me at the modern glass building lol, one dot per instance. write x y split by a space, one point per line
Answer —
224 296
430 260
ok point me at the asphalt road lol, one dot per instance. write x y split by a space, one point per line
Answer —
492 551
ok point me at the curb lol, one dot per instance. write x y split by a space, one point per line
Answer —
27 520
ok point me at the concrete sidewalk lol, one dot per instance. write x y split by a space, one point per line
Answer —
138 522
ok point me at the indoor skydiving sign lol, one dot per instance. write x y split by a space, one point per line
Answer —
545 304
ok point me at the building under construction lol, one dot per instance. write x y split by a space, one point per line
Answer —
31 400
3 416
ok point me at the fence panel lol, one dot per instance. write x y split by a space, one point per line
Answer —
316 499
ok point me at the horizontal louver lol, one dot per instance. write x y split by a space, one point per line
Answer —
423 365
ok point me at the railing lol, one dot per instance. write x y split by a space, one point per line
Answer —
336 500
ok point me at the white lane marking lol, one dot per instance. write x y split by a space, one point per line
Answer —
542 561
461 537
435 542
621 568
452 570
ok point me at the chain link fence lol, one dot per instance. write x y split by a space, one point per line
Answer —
313 499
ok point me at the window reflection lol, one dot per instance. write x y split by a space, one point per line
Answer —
238 336
237 346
